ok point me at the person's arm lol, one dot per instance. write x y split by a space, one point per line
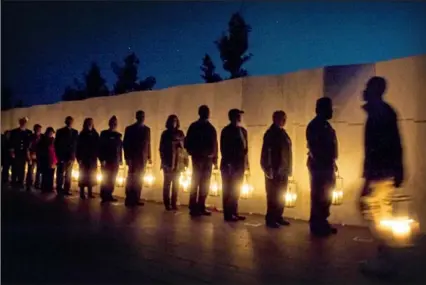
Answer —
148 137
101 153
126 145
246 159
79 148
188 142
162 147
120 150
397 152
74 146
215 147
265 157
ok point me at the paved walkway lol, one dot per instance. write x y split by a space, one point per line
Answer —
46 240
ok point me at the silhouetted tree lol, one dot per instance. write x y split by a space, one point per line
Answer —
127 76
74 93
94 82
233 46
6 98
19 104
208 68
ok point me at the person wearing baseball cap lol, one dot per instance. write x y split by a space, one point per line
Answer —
234 162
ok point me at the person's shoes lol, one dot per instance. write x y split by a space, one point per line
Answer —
194 213
283 222
91 196
333 230
320 233
168 208
68 193
129 204
82 197
231 219
205 213
240 218
140 203
175 208
272 225
113 200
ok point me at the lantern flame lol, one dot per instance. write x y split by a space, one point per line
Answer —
399 227
99 177
75 174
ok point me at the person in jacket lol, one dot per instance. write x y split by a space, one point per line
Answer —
174 160
234 150
65 147
33 161
19 150
47 160
137 153
111 157
201 145
6 158
87 157
276 163
322 145
383 167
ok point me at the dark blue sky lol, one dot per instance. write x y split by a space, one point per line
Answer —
45 45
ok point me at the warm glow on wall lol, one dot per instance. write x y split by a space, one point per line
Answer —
215 183
149 177
290 195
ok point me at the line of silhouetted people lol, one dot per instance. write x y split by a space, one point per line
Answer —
45 153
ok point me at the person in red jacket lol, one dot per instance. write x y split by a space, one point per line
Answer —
47 160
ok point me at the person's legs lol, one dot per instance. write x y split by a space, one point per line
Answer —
175 189
166 188
271 207
204 186
227 195
37 175
30 175
282 187
195 183
60 169
237 181
68 176
5 171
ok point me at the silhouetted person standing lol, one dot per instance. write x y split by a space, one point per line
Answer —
383 164
137 153
234 149
87 157
65 147
47 160
276 162
33 162
6 158
174 160
322 145
111 157
20 142
201 144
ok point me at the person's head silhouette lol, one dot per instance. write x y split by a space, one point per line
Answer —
204 112
140 117
324 108
374 90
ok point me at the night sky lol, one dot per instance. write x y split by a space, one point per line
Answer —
45 45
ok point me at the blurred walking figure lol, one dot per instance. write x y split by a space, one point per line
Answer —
174 160
201 144
65 147
322 145
19 150
276 162
87 157
111 157
137 153
234 149
383 165
6 158
47 160
33 165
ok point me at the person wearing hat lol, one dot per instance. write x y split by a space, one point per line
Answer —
322 155
33 163
276 163
19 149
201 145
234 162
137 153
111 157
66 147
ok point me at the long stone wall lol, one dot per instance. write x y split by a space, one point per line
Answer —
295 93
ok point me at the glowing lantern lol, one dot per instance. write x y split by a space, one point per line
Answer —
75 174
185 179
120 180
337 193
398 227
148 177
290 195
215 183
246 188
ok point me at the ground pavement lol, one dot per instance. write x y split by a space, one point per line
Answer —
46 240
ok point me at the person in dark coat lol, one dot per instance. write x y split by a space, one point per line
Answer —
111 157
19 147
174 160
47 160
383 168
137 153
322 145
276 163
87 157
33 162
65 146
201 145
6 158
234 150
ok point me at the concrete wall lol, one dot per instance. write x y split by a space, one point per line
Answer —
259 97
